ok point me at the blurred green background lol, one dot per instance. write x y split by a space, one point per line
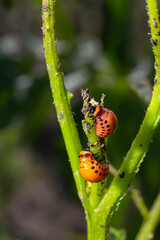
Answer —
103 46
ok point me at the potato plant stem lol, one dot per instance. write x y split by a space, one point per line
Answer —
136 196
155 34
139 202
99 210
62 98
136 154
131 164
150 221
96 189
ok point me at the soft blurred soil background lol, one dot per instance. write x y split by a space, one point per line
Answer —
103 46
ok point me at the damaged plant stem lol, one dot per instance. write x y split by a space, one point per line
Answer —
96 145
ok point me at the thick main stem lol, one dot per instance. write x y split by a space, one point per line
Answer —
62 98
94 232
133 159
96 220
140 145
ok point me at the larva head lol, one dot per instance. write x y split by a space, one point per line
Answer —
97 110
85 155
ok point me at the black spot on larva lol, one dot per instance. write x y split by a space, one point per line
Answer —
104 174
140 145
102 127
92 162
96 164
108 129
100 174
105 121
92 167
108 126
122 175
108 133
99 166
101 123
100 119
96 171
102 168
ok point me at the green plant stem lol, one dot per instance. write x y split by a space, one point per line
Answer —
97 148
155 34
93 140
136 196
97 225
96 189
150 221
131 164
137 152
89 128
62 98
139 202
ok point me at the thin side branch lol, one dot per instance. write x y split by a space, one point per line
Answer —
139 202
150 221
97 147
136 196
